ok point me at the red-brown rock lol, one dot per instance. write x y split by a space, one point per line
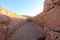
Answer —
9 23
49 21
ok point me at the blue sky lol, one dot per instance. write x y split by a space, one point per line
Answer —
23 7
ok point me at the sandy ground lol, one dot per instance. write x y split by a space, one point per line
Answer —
28 31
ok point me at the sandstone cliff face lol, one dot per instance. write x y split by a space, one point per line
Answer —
9 22
49 19
50 4
15 19
4 19
39 19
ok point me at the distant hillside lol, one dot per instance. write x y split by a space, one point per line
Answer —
9 13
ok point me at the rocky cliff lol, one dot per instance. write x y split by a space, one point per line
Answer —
49 19
9 22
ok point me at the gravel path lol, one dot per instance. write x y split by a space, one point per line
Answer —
28 31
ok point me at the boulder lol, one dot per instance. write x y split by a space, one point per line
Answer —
4 19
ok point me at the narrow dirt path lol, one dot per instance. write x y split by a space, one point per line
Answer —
28 31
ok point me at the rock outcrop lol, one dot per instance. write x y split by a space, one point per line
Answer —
4 19
49 19
9 22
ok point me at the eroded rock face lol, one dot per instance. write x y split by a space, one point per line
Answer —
53 18
50 4
49 21
53 22
9 23
4 19
39 19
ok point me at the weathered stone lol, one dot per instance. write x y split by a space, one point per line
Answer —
48 5
56 1
39 20
53 18
4 19
49 21
10 22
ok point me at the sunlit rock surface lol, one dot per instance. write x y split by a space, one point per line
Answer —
49 19
9 22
